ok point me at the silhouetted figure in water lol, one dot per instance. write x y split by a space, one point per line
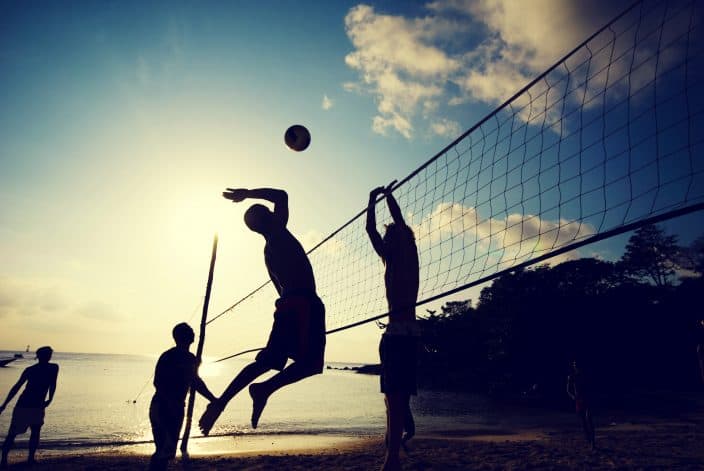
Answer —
578 389
176 371
29 410
399 343
299 320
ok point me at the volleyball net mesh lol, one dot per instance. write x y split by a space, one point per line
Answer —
608 139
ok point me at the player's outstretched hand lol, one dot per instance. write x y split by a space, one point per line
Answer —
374 194
235 194
388 188
385 190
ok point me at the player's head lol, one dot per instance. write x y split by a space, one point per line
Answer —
183 334
399 238
259 218
44 354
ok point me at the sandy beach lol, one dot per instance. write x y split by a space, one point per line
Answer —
642 444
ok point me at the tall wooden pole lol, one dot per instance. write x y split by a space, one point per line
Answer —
199 351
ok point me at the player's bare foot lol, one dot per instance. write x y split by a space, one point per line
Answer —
259 397
210 416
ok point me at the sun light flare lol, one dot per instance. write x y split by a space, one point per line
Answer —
193 219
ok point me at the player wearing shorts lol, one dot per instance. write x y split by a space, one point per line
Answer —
175 373
29 410
298 331
399 343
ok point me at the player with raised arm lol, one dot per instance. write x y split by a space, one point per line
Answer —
399 344
298 331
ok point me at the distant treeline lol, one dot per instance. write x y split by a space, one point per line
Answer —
631 324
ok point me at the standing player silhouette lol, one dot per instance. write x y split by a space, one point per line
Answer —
399 344
175 373
29 410
299 319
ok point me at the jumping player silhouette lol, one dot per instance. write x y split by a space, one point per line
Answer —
298 331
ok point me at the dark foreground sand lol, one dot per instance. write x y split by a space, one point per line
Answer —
663 445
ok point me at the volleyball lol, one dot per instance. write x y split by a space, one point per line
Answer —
297 137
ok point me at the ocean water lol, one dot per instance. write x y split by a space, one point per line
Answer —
95 403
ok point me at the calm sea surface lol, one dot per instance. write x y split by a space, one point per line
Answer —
94 404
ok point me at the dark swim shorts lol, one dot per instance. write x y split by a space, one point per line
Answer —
292 315
26 417
398 355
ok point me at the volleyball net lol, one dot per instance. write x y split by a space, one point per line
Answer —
608 139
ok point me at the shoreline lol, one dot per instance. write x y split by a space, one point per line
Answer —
228 445
655 431
642 443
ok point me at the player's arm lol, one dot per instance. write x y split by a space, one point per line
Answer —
52 387
570 387
202 389
374 236
394 208
159 371
278 197
14 390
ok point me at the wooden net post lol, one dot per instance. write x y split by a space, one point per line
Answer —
199 350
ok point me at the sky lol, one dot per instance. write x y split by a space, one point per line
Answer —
122 122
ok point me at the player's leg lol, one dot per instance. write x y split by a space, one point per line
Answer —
409 424
158 461
589 425
388 427
260 392
7 446
34 434
585 426
308 353
248 374
395 410
395 398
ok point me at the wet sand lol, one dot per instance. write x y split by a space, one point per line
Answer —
633 445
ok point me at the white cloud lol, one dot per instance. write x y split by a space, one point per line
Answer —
396 121
312 238
387 41
97 310
352 87
535 35
327 103
46 300
408 64
398 64
511 240
445 127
